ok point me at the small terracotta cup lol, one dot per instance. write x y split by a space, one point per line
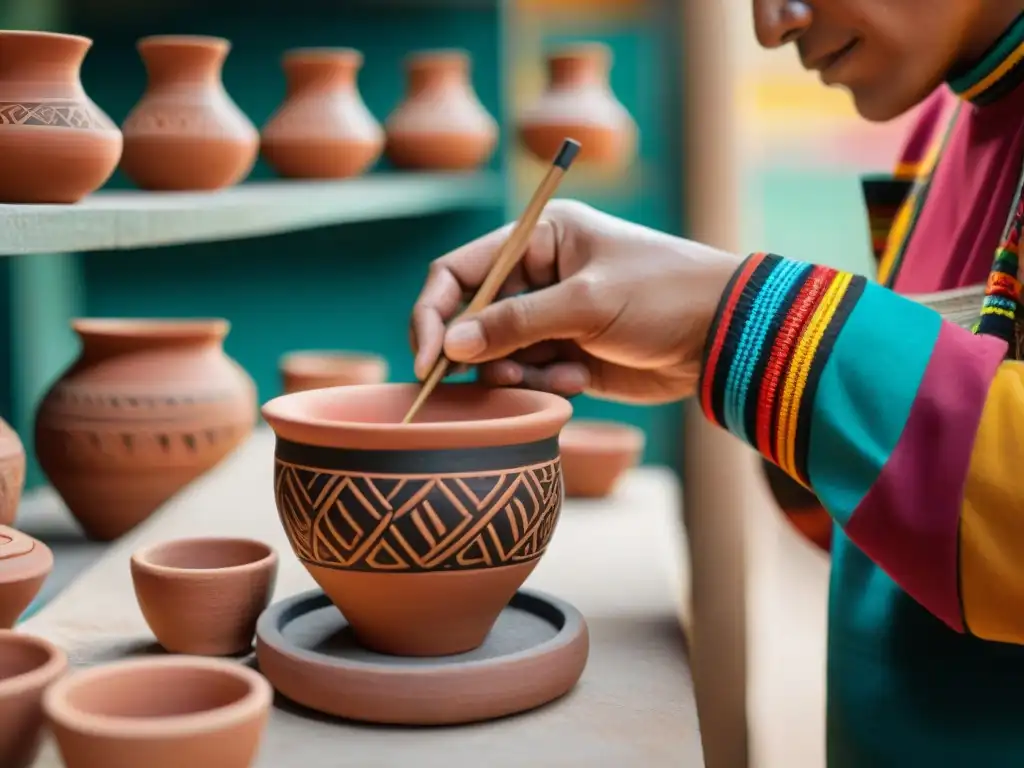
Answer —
24 565
596 454
203 596
27 666
316 369
160 713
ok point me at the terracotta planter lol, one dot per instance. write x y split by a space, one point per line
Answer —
579 103
186 133
12 473
441 125
203 596
318 370
420 534
56 145
27 666
149 406
24 565
160 713
323 130
596 454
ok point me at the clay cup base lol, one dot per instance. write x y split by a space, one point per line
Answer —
440 151
54 165
535 653
186 165
601 145
320 158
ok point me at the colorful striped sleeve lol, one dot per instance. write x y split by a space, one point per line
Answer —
908 428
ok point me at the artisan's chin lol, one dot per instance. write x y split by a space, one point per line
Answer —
881 103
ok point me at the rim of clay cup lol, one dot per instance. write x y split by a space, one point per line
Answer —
323 53
143 558
194 41
56 701
326 361
153 327
42 33
56 662
596 434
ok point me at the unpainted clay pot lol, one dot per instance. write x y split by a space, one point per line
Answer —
12 473
148 406
24 565
203 596
419 533
318 370
441 125
27 666
579 104
323 130
160 713
56 145
596 454
186 133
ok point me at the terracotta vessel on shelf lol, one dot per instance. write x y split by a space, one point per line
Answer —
56 145
596 454
24 565
203 596
441 125
186 133
421 533
323 130
312 369
12 473
579 103
148 406
27 666
160 713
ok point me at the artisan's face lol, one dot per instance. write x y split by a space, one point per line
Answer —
890 54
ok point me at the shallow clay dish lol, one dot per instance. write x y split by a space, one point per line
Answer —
203 596
24 565
535 654
420 533
160 713
316 369
596 454
27 665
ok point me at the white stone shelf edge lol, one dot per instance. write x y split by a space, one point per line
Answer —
136 219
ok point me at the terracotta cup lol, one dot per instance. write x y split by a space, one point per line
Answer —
27 666
419 533
12 473
317 370
24 565
203 596
56 145
596 454
160 713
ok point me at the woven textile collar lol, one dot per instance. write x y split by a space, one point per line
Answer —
997 73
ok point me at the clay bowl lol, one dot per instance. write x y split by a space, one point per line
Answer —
159 713
314 369
24 565
596 454
27 666
203 596
420 533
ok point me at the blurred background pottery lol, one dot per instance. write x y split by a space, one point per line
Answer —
314 369
12 473
148 406
24 565
56 145
203 596
27 666
186 133
419 533
596 454
323 130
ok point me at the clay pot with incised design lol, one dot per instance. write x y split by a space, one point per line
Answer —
24 565
186 133
148 406
56 145
12 473
419 533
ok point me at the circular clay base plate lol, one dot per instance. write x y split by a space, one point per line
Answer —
535 653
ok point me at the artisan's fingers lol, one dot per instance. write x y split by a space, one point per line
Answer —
565 379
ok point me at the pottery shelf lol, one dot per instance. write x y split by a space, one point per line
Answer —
132 219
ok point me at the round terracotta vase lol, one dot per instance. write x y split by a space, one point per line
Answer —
24 565
56 145
441 125
420 533
579 103
27 666
314 369
12 473
596 454
160 713
203 596
323 130
149 406
186 133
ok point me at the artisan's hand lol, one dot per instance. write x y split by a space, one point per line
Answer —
596 305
